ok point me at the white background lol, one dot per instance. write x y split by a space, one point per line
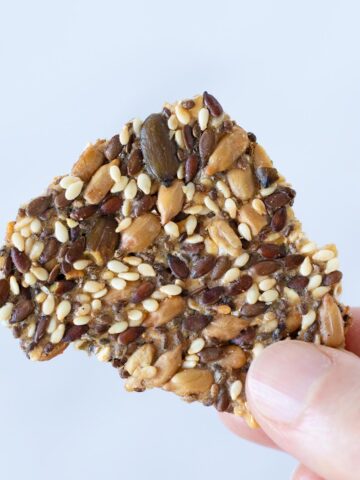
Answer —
72 71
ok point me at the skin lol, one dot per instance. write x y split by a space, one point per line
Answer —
306 400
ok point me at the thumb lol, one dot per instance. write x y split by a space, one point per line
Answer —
307 399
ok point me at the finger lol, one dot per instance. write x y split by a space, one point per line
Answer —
307 399
353 334
303 473
238 426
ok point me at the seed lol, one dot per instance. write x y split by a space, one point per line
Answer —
269 296
171 289
130 190
100 293
150 305
51 325
144 183
190 224
267 284
92 286
38 206
308 247
230 207
104 354
332 278
71 223
188 137
278 220
74 190
196 322
194 210
130 335
319 292
308 319
68 180
120 185
212 295
196 346
181 172
64 286
23 222
293 261
21 260
29 279
117 267
203 118
240 286
113 148
63 310
298 283
252 295
212 104
49 305
242 260
111 206
135 317
189 191
257 350
172 122
123 224
235 390
146 270
124 135
18 241
14 287
25 232
172 229
194 239
58 334
144 290
85 309
75 250
245 231
211 205
332 265
126 208
266 267
191 167
83 213
203 266
207 143
276 200
136 124
115 173
135 162
223 188
96 305
82 320
40 273
306 267
81 264
314 282
129 276
231 275
118 327
258 206
35 226
61 232
323 255
291 295
178 267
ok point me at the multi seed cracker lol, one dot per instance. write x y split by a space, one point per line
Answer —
171 251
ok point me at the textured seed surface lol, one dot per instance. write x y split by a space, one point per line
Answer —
171 251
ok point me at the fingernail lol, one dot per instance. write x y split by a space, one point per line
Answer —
282 379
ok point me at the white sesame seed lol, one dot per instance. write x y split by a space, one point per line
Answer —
194 210
190 224
291 295
65 182
120 185
29 279
235 390
319 292
118 327
144 183
22 223
172 122
242 260
61 232
5 312
308 319
82 320
149 371
223 188
211 246
52 325
180 173
182 114
104 354
49 305
25 232
58 334
323 255
189 191
71 223
100 294
245 231
117 267
306 267
150 305
96 305
84 309
189 364
63 309
332 265
211 205
314 282
124 135
179 139
252 295
83 298
18 241
266 284
171 290
157 295
192 358
137 124
230 207
231 275
118 283
92 286
41 297
258 206
269 326
129 276
40 273
74 190
31 330
126 208
194 239
269 296
35 226
81 264
172 229
146 270
135 317
123 224
130 190
257 349
308 247
36 250
14 286
265 192
132 260
29 243
196 346
115 173
203 118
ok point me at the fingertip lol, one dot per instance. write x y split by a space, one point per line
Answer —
303 473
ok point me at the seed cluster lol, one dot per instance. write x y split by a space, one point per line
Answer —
172 251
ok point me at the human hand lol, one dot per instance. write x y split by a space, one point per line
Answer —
307 401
